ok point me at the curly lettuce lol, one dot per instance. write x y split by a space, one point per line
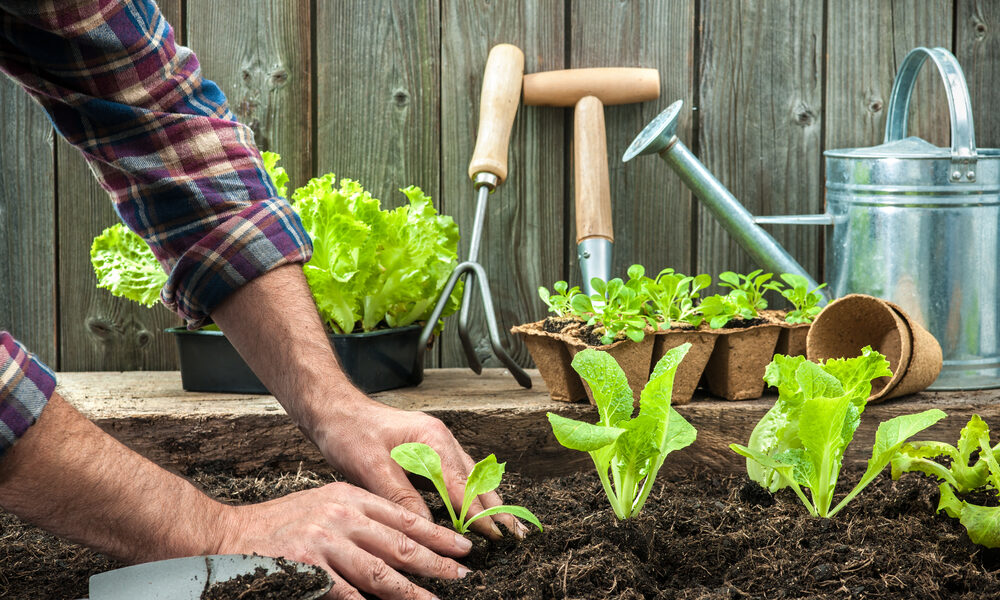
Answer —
126 267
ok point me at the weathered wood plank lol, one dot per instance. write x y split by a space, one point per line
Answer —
760 121
651 208
259 55
526 226
977 28
489 413
96 330
27 224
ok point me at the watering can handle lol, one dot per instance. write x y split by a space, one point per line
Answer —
963 139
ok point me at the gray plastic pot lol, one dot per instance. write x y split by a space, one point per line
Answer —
375 361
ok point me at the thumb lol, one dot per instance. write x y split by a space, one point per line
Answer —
395 487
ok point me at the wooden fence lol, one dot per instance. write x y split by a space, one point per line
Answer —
386 91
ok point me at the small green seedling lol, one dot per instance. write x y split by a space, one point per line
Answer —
628 452
616 307
719 310
421 459
961 476
673 294
749 289
800 442
560 301
805 302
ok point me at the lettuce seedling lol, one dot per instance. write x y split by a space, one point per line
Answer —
805 302
673 296
560 302
719 310
421 459
748 290
961 476
628 452
616 307
800 442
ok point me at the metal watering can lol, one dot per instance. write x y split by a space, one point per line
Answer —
910 222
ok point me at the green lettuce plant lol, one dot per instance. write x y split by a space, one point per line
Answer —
615 307
719 309
421 459
749 289
126 267
961 476
560 301
672 295
800 442
805 302
627 452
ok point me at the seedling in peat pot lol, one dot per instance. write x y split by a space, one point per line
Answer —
560 301
421 459
801 441
615 307
981 522
627 452
750 288
673 295
805 302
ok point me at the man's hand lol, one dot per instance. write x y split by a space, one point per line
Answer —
362 540
358 445
273 322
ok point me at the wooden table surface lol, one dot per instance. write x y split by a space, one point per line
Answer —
149 411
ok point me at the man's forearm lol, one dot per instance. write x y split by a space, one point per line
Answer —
69 477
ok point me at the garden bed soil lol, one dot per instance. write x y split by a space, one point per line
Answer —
705 536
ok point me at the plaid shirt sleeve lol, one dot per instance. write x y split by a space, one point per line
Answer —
182 172
25 387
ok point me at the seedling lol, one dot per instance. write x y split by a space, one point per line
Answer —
749 289
961 476
615 307
719 310
421 459
800 442
805 302
627 452
673 294
559 302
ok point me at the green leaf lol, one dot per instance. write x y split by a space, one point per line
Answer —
517 511
277 174
126 266
856 374
654 400
485 477
421 459
983 524
585 437
821 428
608 384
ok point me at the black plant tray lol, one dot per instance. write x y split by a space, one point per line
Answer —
375 361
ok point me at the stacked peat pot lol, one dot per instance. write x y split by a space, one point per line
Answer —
732 337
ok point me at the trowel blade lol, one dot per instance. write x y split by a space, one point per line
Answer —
183 578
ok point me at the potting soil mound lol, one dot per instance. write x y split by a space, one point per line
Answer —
287 583
703 537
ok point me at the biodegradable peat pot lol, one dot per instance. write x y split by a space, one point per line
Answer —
735 371
850 323
375 361
792 339
633 357
549 352
691 368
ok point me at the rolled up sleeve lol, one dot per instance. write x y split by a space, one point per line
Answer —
25 388
181 171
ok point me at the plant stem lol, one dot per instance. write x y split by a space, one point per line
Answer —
612 497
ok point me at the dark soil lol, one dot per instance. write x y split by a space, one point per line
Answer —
288 583
702 537
744 323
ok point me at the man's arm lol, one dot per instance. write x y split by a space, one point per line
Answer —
71 478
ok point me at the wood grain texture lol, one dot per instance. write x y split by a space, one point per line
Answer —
259 55
523 239
490 413
760 114
591 182
651 208
977 28
98 331
27 224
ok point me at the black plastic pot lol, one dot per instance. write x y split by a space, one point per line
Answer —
375 361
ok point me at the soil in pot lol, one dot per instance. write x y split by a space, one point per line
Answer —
706 536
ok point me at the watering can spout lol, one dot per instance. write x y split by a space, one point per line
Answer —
659 137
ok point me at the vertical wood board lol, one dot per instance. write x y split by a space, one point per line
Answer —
27 224
651 207
523 236
760 115
977 28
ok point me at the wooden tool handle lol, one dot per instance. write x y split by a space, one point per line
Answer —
590 157
497 106
612 85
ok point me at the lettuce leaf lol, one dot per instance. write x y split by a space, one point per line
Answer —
370 265
126 267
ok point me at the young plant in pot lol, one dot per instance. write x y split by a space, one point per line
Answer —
796 322
374 275
746 338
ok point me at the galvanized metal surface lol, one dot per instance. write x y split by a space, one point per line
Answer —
594 255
